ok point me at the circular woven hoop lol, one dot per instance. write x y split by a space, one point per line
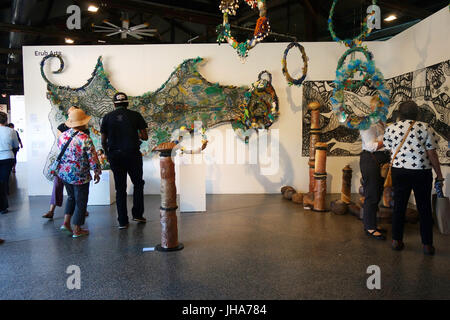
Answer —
347 42
376 81
290 80
369 58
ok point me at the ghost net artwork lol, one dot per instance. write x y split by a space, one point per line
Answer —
186 97
428 87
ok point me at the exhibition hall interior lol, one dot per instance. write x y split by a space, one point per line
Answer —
224 150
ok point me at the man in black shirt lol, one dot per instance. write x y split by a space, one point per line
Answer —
122 130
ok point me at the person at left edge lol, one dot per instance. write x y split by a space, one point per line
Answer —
15 150
8 141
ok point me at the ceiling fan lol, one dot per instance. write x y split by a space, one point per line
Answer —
137 32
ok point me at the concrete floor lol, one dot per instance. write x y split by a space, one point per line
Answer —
244 247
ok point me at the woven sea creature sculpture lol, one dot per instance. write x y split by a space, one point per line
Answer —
186 97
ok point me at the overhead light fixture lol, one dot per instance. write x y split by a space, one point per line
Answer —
4 95
92 8
392 17
69 41
101 41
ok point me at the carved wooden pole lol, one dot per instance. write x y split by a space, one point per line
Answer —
320 177
168 215
346 184
314 137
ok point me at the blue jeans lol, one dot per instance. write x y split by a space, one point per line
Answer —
77 202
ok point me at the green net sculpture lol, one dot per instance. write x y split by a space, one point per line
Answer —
186 97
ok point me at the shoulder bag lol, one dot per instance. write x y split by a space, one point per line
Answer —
54 167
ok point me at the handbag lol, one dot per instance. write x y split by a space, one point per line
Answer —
388 180
441 208
53 169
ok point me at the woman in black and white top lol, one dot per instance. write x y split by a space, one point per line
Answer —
411 170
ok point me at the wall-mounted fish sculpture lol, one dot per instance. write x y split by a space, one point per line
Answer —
184 98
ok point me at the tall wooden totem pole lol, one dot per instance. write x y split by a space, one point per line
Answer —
168 208
315 198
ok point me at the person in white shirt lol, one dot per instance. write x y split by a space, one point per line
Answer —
8 141
372 157
412 170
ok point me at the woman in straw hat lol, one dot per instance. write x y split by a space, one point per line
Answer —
58 186
74 170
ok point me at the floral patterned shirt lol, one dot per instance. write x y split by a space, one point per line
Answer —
80 157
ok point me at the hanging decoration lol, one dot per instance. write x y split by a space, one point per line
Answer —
374 80
357 41
184 98
297 82
262 28
368 73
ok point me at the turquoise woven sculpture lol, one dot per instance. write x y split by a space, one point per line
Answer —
184 98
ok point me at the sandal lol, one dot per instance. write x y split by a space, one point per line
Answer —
81 233
378 237
64 229
48 215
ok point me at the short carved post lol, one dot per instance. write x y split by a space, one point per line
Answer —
168 215
320 177
346 184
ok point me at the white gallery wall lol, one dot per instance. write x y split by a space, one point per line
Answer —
142 68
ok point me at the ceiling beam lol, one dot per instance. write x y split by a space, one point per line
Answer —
4 66
272 5
9 50
75 35
167 11
405 7
11 78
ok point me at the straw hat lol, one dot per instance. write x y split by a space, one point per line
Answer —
72 108
77 118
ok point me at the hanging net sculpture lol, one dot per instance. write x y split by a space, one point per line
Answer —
186 97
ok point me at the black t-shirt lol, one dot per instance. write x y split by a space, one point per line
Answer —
121 128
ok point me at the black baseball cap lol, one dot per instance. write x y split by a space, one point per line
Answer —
120 97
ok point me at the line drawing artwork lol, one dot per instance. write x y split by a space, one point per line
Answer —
428 87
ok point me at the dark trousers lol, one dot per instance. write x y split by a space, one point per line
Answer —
373 185
77 202
5 171
420 181
122 164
